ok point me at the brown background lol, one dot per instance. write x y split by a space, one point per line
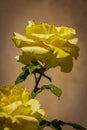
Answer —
14 15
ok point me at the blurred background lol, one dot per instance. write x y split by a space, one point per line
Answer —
14 15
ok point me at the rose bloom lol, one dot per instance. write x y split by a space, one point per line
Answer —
49 44
18 111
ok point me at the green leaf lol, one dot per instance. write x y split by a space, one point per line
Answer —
36 67
35 92
55 90
33 66
22 76
74 125
44 123
56 124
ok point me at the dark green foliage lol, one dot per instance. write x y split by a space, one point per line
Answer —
54 89
22 76
33 67
57 125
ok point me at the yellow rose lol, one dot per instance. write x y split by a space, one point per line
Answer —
49 44
18 111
